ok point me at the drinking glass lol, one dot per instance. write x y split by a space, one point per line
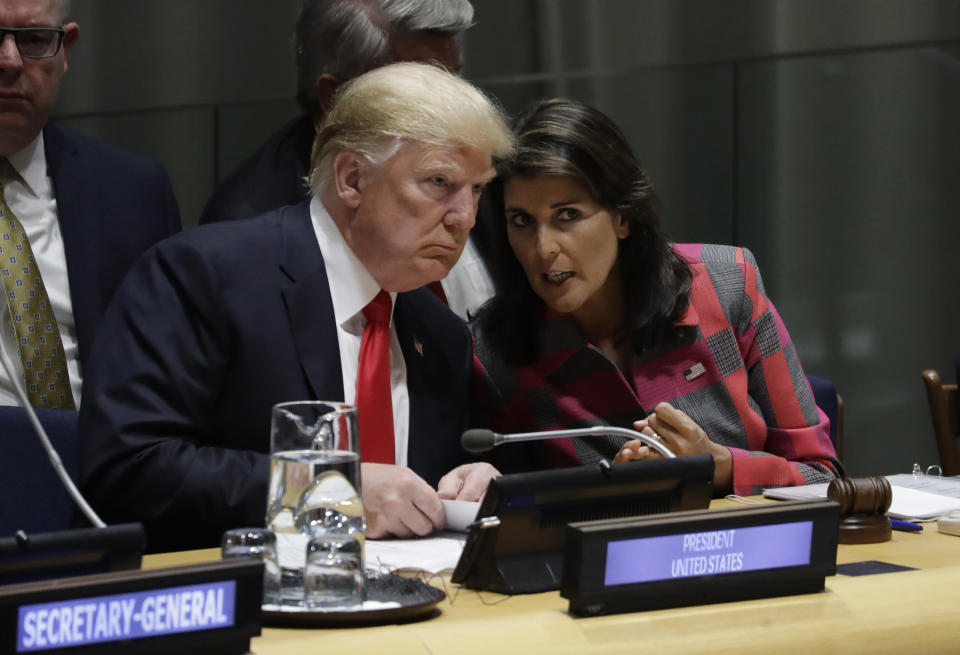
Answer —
314 484
262 544
333 576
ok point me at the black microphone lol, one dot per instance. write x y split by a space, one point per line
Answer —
479 440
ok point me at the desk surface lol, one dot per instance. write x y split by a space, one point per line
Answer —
903 612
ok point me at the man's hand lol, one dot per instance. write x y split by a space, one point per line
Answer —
398 503
467 482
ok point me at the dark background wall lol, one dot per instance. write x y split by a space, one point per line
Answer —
824 135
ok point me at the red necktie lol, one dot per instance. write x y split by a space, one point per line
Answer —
374 401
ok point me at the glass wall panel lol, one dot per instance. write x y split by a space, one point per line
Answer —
243 128
180 140
847 173
136 54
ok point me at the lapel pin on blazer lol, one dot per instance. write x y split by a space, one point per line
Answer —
418 346
694 372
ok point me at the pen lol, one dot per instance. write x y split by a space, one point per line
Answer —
905 526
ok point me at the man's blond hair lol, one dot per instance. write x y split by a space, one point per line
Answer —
406 102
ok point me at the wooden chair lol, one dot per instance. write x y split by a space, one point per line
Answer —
946 425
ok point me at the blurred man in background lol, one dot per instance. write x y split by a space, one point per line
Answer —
337 40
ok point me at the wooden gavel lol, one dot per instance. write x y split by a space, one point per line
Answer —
863 508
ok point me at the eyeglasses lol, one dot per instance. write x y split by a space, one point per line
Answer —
35 42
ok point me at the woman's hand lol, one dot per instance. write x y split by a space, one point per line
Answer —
683 436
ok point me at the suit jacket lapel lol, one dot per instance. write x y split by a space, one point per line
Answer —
309 305
417 360
438 384
77 208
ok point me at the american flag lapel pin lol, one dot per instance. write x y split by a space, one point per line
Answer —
694 372
418 346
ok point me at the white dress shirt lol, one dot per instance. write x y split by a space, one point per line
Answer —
468 284
351 289
31 199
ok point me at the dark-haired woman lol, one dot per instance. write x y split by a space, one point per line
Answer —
599 320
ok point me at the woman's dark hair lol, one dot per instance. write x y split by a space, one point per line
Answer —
568 138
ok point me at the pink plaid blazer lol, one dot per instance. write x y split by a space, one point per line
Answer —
731 367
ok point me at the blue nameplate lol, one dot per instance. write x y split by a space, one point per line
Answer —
698 557
208 608
97 619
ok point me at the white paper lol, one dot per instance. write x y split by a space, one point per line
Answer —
292 549
801 492
460 513
909 504
932 483
916 504
432 554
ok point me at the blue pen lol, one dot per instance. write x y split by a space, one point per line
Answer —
905 526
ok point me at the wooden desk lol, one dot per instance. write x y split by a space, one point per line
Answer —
904 612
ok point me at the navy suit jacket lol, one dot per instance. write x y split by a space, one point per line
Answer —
270 178
112 207
211 329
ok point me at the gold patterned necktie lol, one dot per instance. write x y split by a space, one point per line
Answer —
41 351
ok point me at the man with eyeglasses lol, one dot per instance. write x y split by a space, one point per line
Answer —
76 214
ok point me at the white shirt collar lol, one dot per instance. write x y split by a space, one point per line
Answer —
31 164
351 285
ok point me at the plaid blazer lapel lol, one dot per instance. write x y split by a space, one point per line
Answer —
588 387
559 340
